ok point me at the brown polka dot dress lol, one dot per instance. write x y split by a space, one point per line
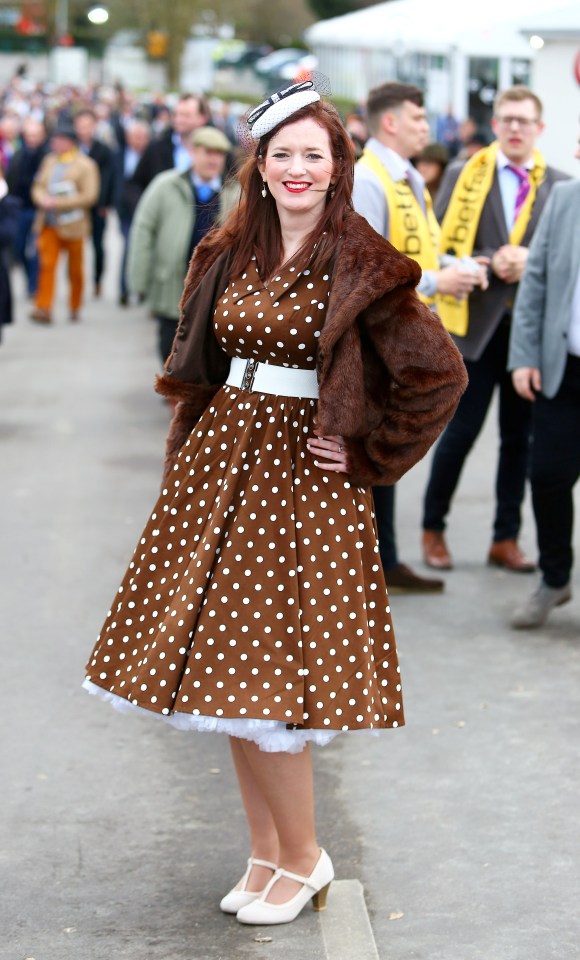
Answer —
255 601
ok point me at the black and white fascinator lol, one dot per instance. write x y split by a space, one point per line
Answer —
282 104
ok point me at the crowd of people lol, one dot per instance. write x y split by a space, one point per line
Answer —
71 157
333 297
131 141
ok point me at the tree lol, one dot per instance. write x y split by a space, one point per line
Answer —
281 23
174 18
325 9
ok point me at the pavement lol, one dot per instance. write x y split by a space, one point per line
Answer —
455 838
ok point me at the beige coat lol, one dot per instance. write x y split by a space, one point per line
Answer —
82 190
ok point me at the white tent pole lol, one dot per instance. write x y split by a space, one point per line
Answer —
459 83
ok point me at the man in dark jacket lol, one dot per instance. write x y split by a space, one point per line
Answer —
22 170
137 135
85 124
490 208
9 207
172 151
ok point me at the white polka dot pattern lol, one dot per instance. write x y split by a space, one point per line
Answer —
256 590
279 323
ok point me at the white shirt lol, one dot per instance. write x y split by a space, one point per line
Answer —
130 161
215 184
181 155
574 327
369 199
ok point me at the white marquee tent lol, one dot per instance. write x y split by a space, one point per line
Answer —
451 48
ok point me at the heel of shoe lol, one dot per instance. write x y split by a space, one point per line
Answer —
319 899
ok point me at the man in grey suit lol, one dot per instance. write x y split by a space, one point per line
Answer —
501 193
544 358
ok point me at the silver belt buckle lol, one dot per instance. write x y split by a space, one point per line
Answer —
249 375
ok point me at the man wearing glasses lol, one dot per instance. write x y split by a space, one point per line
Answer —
490 208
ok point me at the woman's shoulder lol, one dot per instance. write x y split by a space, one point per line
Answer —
368 255
209 259
207 251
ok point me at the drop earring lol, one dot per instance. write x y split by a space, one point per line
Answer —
264 191
332 185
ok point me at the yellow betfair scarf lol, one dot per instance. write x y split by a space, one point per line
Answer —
410 230
461 221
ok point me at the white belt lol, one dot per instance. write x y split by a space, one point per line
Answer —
256 377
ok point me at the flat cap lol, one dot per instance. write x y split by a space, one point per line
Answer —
64 129
212 139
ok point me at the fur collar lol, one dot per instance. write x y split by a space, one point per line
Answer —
365 268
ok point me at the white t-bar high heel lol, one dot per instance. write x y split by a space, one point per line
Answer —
236 899
315 888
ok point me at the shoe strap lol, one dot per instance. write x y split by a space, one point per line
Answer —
253 862
303 881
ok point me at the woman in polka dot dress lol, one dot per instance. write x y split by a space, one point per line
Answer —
255 603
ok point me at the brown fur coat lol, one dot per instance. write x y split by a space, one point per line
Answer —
389 375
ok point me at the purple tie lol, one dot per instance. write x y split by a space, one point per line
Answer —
523 187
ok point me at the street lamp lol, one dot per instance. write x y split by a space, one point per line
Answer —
98 14
61 20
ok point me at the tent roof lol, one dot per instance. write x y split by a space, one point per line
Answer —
492 29
551 24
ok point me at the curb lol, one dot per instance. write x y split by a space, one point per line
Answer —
346 928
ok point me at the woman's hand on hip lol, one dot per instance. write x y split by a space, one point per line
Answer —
330 453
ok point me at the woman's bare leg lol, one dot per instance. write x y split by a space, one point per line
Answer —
285 783
263 835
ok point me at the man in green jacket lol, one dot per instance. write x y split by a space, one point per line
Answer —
175 212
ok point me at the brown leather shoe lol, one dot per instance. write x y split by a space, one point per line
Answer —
506 553
435 552
401 579
40 316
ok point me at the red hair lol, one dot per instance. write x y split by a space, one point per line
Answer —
254 228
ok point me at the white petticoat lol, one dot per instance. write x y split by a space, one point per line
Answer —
272 736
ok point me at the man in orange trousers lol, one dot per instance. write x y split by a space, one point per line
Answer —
65 188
